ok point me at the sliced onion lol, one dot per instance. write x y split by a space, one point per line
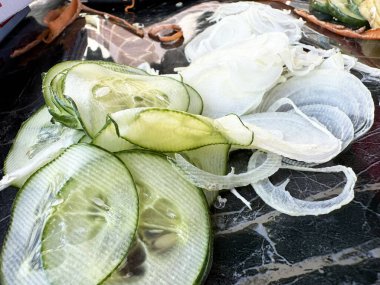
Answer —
343 90
336 121
212 182
265 19
278 198
300 62
334 61
292 135
238 21
229 30
229 9
332 118
234 79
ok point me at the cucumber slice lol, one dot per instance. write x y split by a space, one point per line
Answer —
71 223
62 108
85 139
196 102
320 6
173 131
174 232
119 67
50 83
98 91
38 141
340 10
211 158
108 139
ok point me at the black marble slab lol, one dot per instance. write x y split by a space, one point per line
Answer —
258 246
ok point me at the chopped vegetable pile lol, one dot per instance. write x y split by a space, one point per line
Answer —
358 19
354 13
118 169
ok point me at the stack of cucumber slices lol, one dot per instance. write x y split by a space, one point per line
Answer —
117 170
99 201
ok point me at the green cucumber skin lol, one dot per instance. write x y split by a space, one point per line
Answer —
339 9
320 6
64 114
141 143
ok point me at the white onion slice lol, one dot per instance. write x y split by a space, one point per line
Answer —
336 121
229 30
300 62
292 135
238 21
332 118
265 19
278 198
229 9
212 182
234 79
342 90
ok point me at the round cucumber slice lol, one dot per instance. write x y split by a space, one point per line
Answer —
37 142
174 232
73 221
61 107
98 91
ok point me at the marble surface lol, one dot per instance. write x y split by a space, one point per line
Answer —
258 246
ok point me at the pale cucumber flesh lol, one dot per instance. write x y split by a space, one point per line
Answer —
38 141
174 233
71 223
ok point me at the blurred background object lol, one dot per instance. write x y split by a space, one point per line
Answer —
11 14
8 8
7 26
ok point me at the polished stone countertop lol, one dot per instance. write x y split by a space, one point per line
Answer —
258 246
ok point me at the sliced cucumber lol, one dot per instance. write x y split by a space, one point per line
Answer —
62 107
196 102
320 6
98 91
173 131
108 139
341 11
122 68
38 141
72 222
211 158
85 139
174 233
50 84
